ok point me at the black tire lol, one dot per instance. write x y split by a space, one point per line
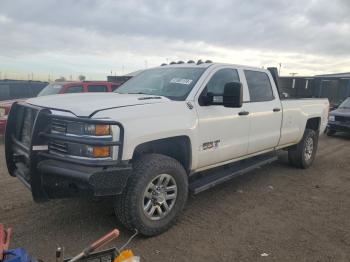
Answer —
129 205
298 155
330 132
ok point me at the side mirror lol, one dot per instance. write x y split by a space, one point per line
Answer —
233 95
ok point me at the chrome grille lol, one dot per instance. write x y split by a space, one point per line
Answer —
58 147
58 126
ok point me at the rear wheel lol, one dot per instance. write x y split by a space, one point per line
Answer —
155 195
303 154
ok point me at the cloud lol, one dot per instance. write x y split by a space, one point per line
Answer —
134 31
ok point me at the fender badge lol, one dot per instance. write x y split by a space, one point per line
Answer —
210 145
189 105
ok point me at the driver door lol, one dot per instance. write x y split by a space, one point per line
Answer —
223 131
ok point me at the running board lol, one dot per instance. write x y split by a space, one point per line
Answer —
208 179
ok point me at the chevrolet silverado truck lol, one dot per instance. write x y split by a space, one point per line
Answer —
168 131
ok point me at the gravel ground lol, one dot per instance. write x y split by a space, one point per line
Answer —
287 213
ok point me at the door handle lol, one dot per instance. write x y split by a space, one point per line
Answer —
276 109
243 113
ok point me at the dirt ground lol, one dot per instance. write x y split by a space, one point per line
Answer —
289 214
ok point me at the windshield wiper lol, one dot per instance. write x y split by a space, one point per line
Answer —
139 93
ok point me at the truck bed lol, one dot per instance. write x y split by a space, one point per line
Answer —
296 112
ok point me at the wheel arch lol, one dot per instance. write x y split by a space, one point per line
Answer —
313 123
178 147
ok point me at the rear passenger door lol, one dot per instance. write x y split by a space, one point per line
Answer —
265 111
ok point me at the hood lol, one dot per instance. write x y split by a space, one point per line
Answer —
86 104
341 112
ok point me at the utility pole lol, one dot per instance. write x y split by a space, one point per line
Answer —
279 68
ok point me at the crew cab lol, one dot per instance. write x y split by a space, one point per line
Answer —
168 131
59 88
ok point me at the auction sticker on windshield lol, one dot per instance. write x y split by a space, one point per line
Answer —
181 81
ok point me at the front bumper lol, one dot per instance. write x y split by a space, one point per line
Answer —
50 175
339 126
60 179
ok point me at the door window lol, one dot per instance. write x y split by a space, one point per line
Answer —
217 82
259 86
74 89
97 88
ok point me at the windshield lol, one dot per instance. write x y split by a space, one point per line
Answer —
51 89
173 83
345 104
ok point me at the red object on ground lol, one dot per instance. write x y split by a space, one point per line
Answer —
60 88
5 236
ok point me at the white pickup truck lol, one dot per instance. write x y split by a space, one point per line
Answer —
168 131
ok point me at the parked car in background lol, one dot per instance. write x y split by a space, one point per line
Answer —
59 88
339 119
78 87
19 89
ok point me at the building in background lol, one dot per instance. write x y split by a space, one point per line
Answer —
335 87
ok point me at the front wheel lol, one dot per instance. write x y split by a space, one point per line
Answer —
303 154
155 195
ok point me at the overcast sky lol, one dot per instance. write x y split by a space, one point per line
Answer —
93 37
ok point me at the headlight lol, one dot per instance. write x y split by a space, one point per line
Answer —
2 112
97 130
331 118
80 150
76 128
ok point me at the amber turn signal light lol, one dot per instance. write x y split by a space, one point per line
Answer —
101 151
102 130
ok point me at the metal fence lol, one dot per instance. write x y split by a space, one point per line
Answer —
14 89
